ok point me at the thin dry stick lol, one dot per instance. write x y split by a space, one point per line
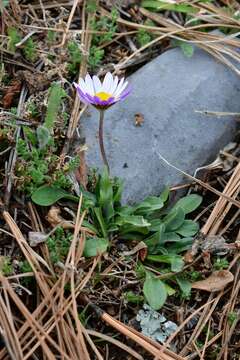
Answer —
202 183
116 343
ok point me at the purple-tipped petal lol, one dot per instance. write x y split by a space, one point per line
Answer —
90 98
125 93
81 95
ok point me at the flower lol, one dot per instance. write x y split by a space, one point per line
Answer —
102 95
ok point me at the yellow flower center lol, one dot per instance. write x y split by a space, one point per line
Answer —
103 96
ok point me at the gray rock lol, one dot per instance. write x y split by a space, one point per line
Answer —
167 91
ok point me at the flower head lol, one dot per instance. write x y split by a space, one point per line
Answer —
104 94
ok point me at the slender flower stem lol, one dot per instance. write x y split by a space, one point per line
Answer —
100 133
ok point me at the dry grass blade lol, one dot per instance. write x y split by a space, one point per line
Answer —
223 205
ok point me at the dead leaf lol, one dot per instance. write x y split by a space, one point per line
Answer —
54 218
10 94
143 253
215 282
140 246
35 238
139 119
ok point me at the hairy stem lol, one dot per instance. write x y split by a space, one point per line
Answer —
101 139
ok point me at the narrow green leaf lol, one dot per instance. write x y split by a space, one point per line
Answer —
161 5
175 261
48 195
135 220
95 246
106 194
154 291
100 219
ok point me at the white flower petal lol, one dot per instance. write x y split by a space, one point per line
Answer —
83 86
89 84
107 82
114 85
97 84
121 88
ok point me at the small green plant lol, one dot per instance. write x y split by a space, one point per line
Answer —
194 275
221 263
103 24
56 94
144 36
232 317
187 49
33 110
91 6
75 57
14 38
25 267
58 245
51 37
38 163
95 57
30 50
6 266
131 297
106 24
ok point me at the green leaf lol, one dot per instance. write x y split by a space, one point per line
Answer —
95 246
170 237
161 5
155 224
165 194
180 246
155 240
117 191
106 194
135 220
43 136
48 195
189 203
188 228
100 219
150 204
54 101
184 285
174 219
175 261
187 49
154 291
